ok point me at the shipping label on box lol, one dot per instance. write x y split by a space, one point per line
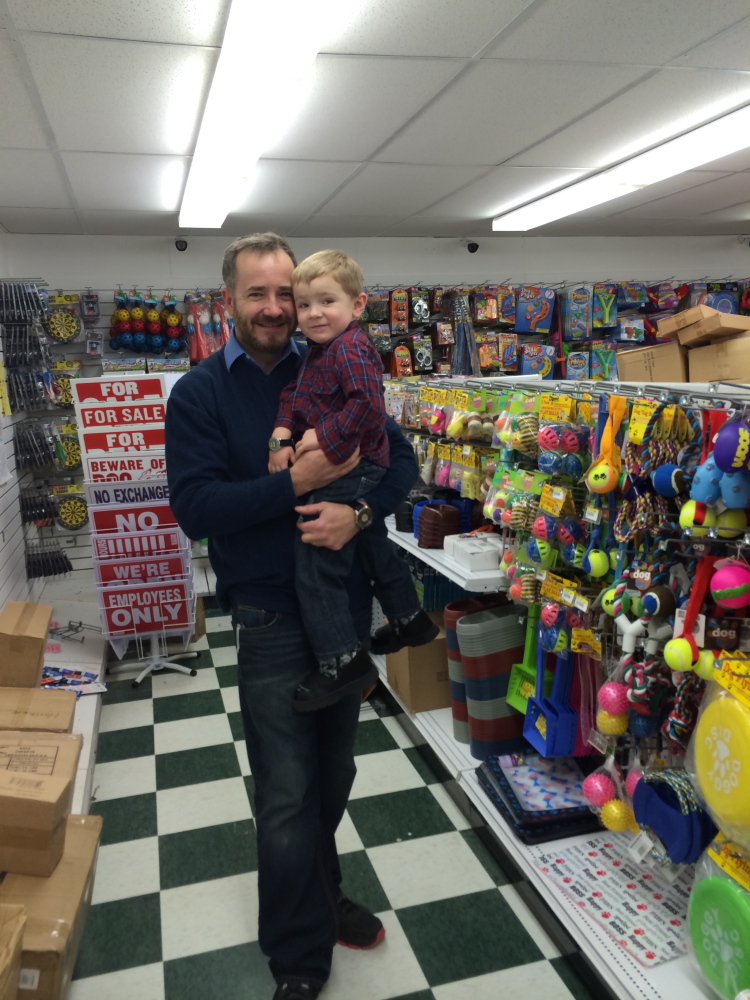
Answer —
44 754
104 390
125 468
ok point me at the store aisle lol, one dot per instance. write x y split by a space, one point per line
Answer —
174 914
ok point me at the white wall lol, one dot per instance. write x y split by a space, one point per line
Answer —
103 262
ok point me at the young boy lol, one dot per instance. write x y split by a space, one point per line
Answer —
337 405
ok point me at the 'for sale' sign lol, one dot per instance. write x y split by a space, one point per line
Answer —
146 608
126 389
122 414
130 440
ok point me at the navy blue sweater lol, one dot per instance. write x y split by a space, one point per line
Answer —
217 429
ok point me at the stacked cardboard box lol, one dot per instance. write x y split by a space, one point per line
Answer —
12 923
23 639
717 344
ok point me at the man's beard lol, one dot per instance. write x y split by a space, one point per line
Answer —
249 339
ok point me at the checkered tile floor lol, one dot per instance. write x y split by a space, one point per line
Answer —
174 914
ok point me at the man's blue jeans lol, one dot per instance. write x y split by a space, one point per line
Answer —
303 767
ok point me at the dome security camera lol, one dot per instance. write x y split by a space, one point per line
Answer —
181 245
470 245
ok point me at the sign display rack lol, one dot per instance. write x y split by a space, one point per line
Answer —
142 560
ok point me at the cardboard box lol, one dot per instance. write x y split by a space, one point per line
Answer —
27 709
23 638
33 809
728 360
661 363
56 911
12 923
200 620
717 327
669 326
419 674
47 755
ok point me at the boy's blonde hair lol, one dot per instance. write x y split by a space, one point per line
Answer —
339 265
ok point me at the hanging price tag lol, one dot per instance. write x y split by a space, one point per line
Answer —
592 514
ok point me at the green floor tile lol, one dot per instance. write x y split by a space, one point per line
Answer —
385 819
467 936
120 691
383 703
189 767
425 760
122 744
208 853
572 980
188 706
250 786
235 724
120 935
227 676
422 995
239 973
360 883
490 864
372 737
129 818
203 661
217 639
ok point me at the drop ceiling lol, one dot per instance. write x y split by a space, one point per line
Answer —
425 117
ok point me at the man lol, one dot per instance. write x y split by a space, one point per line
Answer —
219 420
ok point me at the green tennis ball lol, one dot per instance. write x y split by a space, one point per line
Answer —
613 559
678 655
731 523
598 563
608 602
636 606
697 516
705 666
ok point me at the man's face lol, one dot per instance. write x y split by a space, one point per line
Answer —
262 303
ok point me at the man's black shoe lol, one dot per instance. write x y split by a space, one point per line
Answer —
296 991
419 631
358 928
319 691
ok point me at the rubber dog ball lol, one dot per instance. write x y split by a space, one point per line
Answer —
613 698
139 341
697 516
126 341
611 725
598 789
735 490
573 619
570 442
548 438
572 466
515 590
678 655
601 478
569 532
668 480
617 816
732 447
152 316
573 554
540 552
643 727
544 528
550 463
174 319
706 486
631 781
704 668
731 523
552 616
730 586
596 563
659 601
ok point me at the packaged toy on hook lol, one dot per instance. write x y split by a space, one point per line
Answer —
605 791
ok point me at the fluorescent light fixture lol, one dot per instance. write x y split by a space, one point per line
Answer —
703 145
262 78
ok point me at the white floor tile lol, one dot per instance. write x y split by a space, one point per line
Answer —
194 647
127 715
145 982
529 921
390 970
396 730
537 979
367 712
231 699
450 808
208 803
427 869
127 869
189 734
167 684
210 915
347 838
241 747
134 776
388 771
224 656
223 623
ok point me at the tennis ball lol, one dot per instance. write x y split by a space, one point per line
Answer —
731 523
611 725
697 516
601 478
704 668
636 606
596 563
678 654
617 816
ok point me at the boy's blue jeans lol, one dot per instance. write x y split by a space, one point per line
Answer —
321 574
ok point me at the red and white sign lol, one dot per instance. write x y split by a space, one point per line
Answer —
138 609
126 388
137 517
141 570
125 468
122 414
142 543
131 439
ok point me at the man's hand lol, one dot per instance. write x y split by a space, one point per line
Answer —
281 459
334 525
309 442
313 470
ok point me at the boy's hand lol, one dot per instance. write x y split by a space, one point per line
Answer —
309 442
334 525
280 460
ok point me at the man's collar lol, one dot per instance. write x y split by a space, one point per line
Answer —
232 351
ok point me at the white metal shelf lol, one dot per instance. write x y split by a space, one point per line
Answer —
480 582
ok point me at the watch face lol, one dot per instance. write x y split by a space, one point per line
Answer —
364 517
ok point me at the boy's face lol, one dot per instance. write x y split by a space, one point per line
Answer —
325 310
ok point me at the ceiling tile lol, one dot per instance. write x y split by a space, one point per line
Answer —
690 204
420 225
40 220
240 224
187 22
31 179
397 189
497 109
423 27
109 223
669 103
293 186
729 50
123 182
19 125
691 179
735 213
733 162
332 227
618 226
610 31
354 105
500 190
130 97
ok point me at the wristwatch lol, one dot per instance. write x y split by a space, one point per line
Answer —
363 515
276 444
